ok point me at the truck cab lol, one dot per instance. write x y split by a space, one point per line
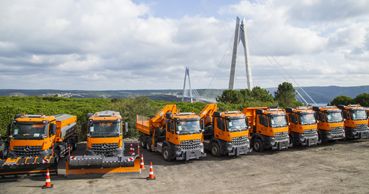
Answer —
330 123
176 135
225 132
31 136
356 121
105 134
269 128
302 127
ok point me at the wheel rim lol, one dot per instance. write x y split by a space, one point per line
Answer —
256 146
75 146
5 152
148 146
142 143
214 150
165 154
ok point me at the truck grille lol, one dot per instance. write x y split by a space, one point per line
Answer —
27 151
337 130
190 144
281 136
310 132
361 127
104 148
238 141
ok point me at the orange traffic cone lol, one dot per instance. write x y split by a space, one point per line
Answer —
48 184
151 173
133 154
142 165
131 149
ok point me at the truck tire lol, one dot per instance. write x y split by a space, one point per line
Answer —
319 139
57 156
75 143
148 144
4 153
166 154
142 142
215 149
291 142
258 145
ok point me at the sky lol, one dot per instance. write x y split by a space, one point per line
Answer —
147 44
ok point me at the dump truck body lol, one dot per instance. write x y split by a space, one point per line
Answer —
268 128
176 135
225 132
330 123
105 148
356 121
37 142
303 129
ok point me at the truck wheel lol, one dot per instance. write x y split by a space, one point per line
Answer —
215 149
148 144
4 153
75 143
142 142
258 145
57 156
291 142
166 154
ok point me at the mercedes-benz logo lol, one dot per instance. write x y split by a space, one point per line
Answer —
27 148
104 146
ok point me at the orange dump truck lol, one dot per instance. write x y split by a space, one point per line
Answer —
268 128
225 132
37 142
176 135
356 121
330 123
302 126
105 148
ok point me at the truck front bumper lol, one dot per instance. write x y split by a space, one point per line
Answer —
184 154
357 134
271 142
329 135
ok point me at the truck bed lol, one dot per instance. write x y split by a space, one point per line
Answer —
143 124
65 125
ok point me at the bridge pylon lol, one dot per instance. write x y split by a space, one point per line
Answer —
240 36
187 73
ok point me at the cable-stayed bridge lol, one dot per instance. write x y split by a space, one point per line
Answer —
268 70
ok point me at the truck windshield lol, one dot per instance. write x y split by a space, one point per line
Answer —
105 129
333 117
359 114
278 121
188 127
307 119
236 125
26 131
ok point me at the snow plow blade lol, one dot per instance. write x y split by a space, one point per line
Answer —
87 166
27 166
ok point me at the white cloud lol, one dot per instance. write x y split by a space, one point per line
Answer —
118 44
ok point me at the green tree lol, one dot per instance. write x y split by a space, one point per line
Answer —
285 95
362 99
342 99
231 96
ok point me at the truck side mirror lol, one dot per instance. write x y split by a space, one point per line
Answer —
294 119
202 123
263 121
83 127
345 115
53 128
8 130
126 127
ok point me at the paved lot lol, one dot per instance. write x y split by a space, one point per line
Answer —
340 167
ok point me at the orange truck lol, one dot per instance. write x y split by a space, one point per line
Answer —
330 123
105 148
302 126
36 142
175 135
356 121
268 128
225 132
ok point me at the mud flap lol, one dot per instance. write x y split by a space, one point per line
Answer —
27 166
81 166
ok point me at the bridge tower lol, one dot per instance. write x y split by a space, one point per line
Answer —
187 73
240 36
